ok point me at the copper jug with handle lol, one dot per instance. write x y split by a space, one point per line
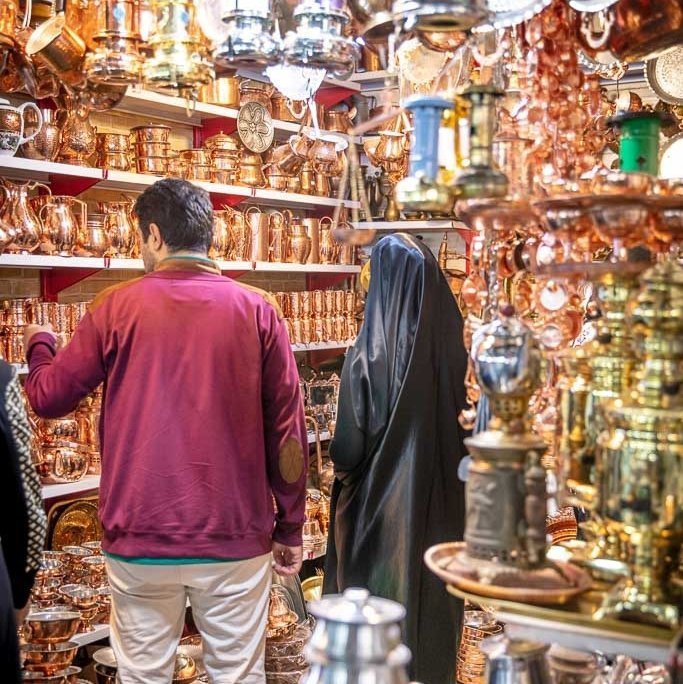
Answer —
329 249
278 241
119 227
27 231
259 223
61 224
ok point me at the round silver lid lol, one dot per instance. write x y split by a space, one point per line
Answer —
357 607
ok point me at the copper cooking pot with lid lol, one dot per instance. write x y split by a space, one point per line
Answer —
222 141
151 133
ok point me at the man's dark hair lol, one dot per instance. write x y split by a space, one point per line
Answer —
182 211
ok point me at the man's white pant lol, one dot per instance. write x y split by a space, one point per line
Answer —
229 605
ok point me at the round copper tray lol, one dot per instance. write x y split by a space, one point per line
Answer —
440 560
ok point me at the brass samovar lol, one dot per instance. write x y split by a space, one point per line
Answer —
641 454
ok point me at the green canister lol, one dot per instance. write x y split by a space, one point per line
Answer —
639 141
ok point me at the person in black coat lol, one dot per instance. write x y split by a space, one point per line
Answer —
396 451
22 520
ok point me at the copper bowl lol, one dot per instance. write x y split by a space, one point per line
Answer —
222 142
225 162
67 676
151 149
157 166
48 658
277 181
51 627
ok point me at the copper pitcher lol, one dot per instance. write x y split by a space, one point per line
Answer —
299 243
27 231
278 239
251 170
61 224
240 236
259 224
92 240
45 144
119 227
221 235
329 249
312 226
340 119
78 135
307 177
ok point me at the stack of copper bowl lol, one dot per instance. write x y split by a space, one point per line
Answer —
113 151
152 149
48 630
195 164
225 157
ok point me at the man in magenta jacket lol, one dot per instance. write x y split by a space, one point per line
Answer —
202 426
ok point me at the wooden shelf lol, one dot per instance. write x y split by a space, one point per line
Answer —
89 482
80 178
40 261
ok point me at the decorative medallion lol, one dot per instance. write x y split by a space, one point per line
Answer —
665 76
255 127
76 524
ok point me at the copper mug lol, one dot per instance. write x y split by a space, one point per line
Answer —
259 224
60 49
312 226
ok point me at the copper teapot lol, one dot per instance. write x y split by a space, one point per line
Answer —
340 119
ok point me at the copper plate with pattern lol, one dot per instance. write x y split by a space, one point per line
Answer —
74 523
255 127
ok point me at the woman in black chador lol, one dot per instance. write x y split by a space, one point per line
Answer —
397 448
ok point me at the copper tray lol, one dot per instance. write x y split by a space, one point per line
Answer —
439 557
73 522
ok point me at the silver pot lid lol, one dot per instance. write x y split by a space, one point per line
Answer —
357 607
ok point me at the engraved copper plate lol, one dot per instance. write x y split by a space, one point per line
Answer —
665 76
255 127
75 524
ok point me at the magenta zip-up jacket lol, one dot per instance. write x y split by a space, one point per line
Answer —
202 419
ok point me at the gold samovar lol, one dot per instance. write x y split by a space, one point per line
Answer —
641 454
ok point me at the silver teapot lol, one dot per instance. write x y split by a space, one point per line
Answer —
513 661
250 42
319 41
357 638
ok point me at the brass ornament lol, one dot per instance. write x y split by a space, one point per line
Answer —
255 127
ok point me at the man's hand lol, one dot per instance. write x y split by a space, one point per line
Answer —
287 558
31 330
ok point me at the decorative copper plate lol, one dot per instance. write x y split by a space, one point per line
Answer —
255 127
442 561
74 524
664 75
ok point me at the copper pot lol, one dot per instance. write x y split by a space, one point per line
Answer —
198 156
114 161
255 91
113 143
151 133
225 161
151 149
340 119
92 240
223 176
276 181
251 171
157 166
223 91
223 143
198 172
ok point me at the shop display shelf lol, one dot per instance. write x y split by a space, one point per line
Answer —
149 103
574 627
317 346
89 482
75 179
421 226
41 261
84 638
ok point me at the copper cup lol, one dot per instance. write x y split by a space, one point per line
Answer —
59 48
318 302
